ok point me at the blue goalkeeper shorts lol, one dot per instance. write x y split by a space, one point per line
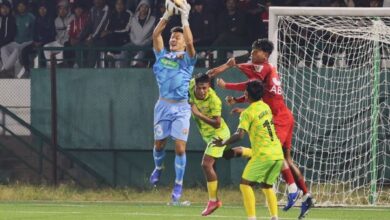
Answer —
171 119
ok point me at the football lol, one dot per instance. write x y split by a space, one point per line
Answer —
174 6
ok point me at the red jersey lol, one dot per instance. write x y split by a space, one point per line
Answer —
273 93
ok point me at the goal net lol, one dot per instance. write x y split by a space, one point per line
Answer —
334 64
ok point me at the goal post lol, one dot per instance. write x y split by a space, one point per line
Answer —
334 64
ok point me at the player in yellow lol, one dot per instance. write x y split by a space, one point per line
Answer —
206 111
267 156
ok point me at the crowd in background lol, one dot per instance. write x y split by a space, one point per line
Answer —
27 25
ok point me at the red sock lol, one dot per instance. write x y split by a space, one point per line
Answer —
287 176
302 185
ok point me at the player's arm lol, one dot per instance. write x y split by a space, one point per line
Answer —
220 69
238 135
215 121
158 43
188 38
231 86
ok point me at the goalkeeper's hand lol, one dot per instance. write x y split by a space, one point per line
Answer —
167 14
185 13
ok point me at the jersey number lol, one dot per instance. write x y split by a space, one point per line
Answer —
267 125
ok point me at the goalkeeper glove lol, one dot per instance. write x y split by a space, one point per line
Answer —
185 13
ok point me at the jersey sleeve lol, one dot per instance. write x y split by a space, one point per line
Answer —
190 60
245 121
159 54
240 99
236 86
246 69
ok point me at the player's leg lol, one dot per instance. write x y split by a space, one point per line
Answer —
208 163
248 198
162 129
158 157
293 191
250 175
283 130
179 131
307 200
180 165
245 152
269 173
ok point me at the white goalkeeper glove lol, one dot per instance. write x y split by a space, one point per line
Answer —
185 13
167 14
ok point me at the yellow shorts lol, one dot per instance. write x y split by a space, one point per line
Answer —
262 171
214 151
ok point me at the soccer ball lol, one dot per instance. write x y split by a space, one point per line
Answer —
174 6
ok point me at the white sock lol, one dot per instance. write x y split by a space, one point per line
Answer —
304 197
292 188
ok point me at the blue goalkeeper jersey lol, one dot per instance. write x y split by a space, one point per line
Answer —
173 71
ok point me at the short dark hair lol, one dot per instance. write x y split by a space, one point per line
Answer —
255 89
264 45
202 78
177 29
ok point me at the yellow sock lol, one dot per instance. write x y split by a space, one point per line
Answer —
246 152
212 190
271 201
248 197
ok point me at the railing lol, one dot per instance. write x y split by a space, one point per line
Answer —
108 57
39 151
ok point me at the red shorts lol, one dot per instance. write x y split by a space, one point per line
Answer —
284 127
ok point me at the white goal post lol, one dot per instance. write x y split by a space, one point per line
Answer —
335 68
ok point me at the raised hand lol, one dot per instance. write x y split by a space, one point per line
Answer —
231 62
221 83
230 100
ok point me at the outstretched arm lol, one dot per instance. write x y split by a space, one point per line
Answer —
241 86
158 43
238 135
215 122
220 69
187 31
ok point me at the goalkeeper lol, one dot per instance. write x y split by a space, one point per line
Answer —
206 110
172 113
259 68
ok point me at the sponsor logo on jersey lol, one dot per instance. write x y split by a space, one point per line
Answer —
170 64
276 81
258 68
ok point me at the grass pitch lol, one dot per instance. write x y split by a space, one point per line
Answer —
160 211
23 202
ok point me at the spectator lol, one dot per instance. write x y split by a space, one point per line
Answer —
254 19
93 34
141 29
62 23
75 28
265 14
231 29
24 37
202 25
231 26
133 4
7 27
44 31
7 24
119 27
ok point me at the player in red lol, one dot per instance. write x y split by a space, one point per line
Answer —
260 69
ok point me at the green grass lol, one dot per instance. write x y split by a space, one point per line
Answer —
67 202
160 211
